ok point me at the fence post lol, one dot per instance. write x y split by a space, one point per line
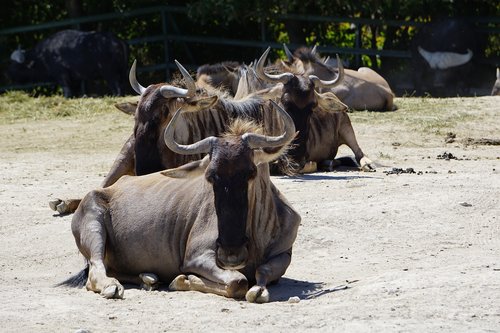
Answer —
357 45
165 44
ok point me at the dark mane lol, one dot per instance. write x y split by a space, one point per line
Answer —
305 54
209 69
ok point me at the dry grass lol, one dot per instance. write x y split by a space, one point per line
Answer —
18 106
430 115
423 114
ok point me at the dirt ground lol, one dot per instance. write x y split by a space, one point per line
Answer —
378 252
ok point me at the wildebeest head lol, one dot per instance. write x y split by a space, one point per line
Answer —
496 87
299 98
154 111
231 164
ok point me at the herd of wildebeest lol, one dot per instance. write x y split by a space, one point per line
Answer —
189 201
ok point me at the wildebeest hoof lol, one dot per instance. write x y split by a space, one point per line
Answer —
310 167
53 204
112 291
257 294
58 205
367 165
180 283
150 281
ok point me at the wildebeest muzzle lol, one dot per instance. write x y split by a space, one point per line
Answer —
231 257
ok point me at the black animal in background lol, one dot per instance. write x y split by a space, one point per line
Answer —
69 57
444 53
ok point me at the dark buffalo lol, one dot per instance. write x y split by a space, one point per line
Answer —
70 57
443 55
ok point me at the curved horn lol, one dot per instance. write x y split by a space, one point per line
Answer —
288 53
169 91
444 60
283 78
191 85
200 147
332 83
133 79
262 141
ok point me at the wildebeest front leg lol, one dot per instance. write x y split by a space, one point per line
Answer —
210 278
271 271
124 163
347 136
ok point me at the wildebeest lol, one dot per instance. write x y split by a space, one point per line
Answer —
443 54
363 89
321 119
69 57
214 225
496 87
145 152
222 75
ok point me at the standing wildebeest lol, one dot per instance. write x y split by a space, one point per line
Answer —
443 53
213 225
322 126
363 89
70 57
496 87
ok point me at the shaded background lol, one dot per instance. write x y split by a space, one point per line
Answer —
209 31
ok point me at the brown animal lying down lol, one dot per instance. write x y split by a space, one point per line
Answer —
216 225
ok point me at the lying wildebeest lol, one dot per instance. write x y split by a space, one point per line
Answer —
222 75
320 118
214 225
70 57
443 54
363 89
144 152
496 87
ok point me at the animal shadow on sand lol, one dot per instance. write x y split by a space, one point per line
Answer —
283 290
304 290
329 176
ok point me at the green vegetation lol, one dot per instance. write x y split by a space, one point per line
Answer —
248 20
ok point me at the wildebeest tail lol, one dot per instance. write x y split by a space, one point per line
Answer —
78 280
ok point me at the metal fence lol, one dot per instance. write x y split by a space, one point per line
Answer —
170 33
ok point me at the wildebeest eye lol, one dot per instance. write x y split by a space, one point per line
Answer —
210 176
252 172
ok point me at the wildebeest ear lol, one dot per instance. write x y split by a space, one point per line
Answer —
188 170
200 104
127 107
329 102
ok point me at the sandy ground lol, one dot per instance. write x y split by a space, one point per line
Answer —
375 251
